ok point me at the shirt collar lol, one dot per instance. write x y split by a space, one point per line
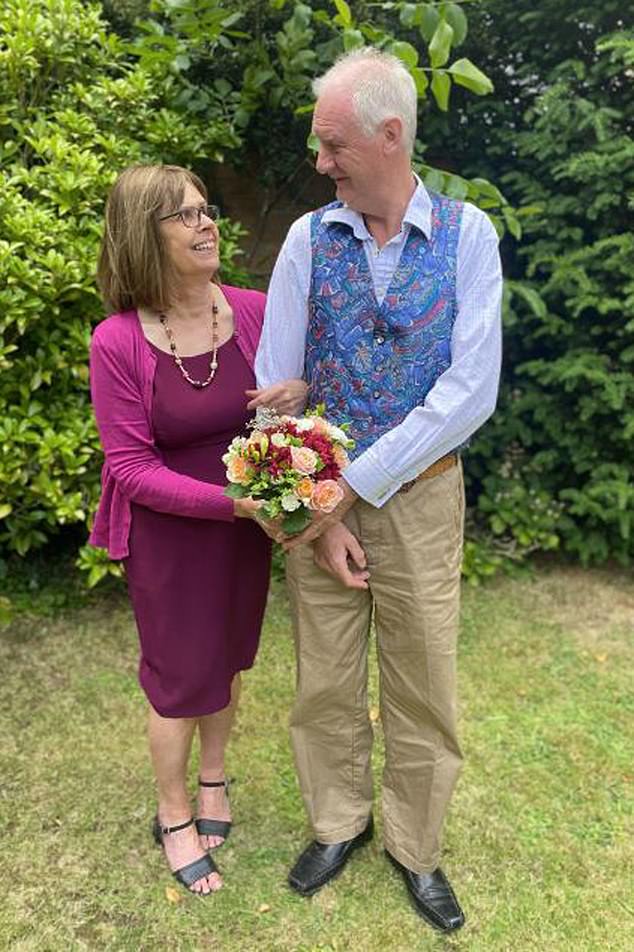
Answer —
417 213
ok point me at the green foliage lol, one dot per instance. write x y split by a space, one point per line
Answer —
567 404
575 349
266 73
73 113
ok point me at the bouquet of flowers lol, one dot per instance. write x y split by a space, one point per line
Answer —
292 463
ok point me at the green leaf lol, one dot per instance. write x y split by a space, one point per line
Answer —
407 53
296 521
430 18
421 79
222 86
410 14
512 222
352 40
434 180
456 187
235 491
531 297
441 87
457 20
345 15
312 142
440 45
261 76
466 74
5 509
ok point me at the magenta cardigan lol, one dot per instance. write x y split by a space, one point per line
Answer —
122 368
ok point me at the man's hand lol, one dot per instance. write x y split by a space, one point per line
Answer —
324 520
288 396
338 552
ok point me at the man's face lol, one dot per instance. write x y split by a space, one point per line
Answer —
353 160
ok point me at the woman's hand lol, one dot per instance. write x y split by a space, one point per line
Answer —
288 396
246 508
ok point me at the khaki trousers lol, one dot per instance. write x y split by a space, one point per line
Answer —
414 549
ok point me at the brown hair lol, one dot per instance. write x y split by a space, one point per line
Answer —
133 269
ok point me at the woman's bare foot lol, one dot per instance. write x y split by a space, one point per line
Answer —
181 849
213 804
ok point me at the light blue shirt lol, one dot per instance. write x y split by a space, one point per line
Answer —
461 399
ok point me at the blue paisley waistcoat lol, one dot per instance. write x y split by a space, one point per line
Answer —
371 363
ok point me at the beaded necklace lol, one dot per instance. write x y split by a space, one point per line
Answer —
178 360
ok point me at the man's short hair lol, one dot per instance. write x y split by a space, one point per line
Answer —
382 88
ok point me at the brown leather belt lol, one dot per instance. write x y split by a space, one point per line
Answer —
440 466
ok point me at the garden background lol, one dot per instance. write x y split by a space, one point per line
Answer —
527 109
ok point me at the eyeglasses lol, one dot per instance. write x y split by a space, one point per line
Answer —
191 215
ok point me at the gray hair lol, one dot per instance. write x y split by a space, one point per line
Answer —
381 87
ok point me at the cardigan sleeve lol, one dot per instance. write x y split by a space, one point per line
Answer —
129 448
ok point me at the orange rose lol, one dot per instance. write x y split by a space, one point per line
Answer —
320 425
304 459
238 470
304 488
326 496
340 456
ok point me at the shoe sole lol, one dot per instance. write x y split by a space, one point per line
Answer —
364 838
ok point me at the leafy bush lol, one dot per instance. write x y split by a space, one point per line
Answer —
568 406
73 113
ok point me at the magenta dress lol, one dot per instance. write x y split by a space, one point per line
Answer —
198 586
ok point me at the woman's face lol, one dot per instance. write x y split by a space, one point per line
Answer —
193 252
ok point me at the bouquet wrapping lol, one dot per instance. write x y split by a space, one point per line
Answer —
291 463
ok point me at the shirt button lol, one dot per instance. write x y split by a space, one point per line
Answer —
379 339
376 394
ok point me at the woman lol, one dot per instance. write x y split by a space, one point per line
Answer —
171 374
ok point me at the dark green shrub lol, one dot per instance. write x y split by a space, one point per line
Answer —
566 420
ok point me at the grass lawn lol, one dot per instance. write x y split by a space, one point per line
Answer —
538 844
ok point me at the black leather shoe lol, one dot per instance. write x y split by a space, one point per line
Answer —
432 896
321 862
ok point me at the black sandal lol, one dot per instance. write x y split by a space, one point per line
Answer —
186 875
207 826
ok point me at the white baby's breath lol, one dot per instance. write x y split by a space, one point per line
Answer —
337 434
304 424
290 502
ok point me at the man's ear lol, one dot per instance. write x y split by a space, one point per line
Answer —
392 134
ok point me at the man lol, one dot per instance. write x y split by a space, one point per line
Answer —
387 301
